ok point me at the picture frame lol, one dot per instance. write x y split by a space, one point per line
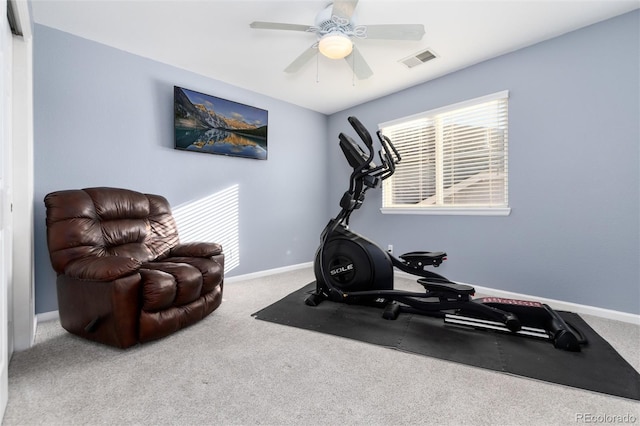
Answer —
212 125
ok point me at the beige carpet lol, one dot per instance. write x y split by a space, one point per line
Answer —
234 369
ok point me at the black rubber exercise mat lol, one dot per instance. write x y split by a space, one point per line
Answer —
598 367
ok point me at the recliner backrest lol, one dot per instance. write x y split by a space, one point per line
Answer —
108 222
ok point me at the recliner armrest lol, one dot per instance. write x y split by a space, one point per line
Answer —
196 249
102 268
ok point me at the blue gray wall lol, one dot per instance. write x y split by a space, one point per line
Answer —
574 138
104 117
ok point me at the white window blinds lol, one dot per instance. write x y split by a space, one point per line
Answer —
454 159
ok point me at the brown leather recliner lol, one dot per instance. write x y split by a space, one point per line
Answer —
123 275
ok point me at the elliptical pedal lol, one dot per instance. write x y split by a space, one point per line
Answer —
420 259
448 287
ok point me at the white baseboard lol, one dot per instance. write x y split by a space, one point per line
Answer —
555 304
268 272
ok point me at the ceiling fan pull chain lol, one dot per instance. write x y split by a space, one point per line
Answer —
317 68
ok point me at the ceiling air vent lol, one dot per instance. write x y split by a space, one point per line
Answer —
418 58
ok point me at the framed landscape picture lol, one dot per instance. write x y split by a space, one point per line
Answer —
205 123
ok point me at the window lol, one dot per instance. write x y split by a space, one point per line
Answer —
454 160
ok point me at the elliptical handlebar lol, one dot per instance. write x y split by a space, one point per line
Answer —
389 159
386 142
389 155
362 132
366 174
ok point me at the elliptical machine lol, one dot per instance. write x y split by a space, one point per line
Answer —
352 269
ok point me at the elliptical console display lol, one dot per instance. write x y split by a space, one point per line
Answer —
352 269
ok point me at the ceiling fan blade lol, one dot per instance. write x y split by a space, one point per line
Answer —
358 64
302 59
278 26
344 8
395 31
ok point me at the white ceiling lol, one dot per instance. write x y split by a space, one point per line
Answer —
213 38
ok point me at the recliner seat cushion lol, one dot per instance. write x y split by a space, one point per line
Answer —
210 270
159 290
188 280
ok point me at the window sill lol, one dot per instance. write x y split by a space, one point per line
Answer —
446 211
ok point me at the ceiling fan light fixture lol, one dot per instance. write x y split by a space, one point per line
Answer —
335 45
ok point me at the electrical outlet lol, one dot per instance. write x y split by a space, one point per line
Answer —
390 248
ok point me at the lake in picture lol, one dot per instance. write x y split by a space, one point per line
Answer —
213 125
215 141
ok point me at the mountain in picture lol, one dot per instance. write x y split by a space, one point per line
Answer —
198 111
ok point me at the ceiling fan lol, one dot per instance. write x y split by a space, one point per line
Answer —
336 28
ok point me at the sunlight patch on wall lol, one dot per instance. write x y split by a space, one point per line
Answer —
213 219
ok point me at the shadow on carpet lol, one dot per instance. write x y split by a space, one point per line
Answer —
598 367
